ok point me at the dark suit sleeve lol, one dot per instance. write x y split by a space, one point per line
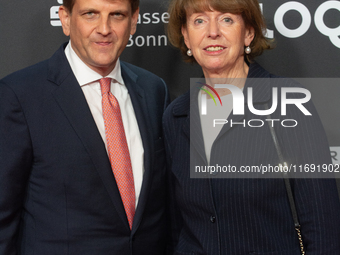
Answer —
166 96
318 210
174 218
316 199
170 195
15 164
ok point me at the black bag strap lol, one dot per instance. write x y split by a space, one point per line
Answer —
285 177
287 184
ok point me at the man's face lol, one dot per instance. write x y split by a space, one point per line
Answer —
99 31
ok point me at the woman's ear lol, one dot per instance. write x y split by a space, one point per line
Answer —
249 36
186 36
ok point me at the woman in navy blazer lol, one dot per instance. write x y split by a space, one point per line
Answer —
210 215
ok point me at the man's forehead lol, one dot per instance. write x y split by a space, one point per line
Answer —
98 2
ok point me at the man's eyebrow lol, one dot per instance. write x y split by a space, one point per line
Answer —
85 10
124 11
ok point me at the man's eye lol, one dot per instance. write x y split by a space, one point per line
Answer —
89 14
118 15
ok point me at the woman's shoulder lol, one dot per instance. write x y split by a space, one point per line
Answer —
179 106
257 71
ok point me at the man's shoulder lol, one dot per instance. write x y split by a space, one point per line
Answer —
28 73
40 72
152 84
138 71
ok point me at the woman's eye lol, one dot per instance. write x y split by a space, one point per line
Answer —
227 20
198 21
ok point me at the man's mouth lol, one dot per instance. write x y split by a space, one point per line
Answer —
103 43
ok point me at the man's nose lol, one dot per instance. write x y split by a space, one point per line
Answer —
104 26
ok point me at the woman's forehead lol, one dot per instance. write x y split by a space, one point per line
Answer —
194 6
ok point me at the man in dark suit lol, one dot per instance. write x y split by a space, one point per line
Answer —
60 178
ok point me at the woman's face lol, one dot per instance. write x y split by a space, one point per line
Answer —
217 40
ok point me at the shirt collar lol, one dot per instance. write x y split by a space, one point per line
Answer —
84 74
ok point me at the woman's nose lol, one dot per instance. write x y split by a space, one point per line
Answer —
213 30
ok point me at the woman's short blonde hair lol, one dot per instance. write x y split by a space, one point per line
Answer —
248 9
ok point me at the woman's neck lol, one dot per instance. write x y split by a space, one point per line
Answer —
233 76
239 70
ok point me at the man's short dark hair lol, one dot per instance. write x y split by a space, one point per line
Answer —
70 3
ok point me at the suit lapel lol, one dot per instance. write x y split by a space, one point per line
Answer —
194 133
72 102
140 106
258 79
187 107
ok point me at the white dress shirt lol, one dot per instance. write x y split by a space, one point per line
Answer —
88 79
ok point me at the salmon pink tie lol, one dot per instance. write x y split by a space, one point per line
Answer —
118 150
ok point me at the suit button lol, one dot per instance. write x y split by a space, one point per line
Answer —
214 173
212 219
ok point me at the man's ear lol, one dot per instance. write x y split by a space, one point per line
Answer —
249 36
65 18
186 36
134 21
